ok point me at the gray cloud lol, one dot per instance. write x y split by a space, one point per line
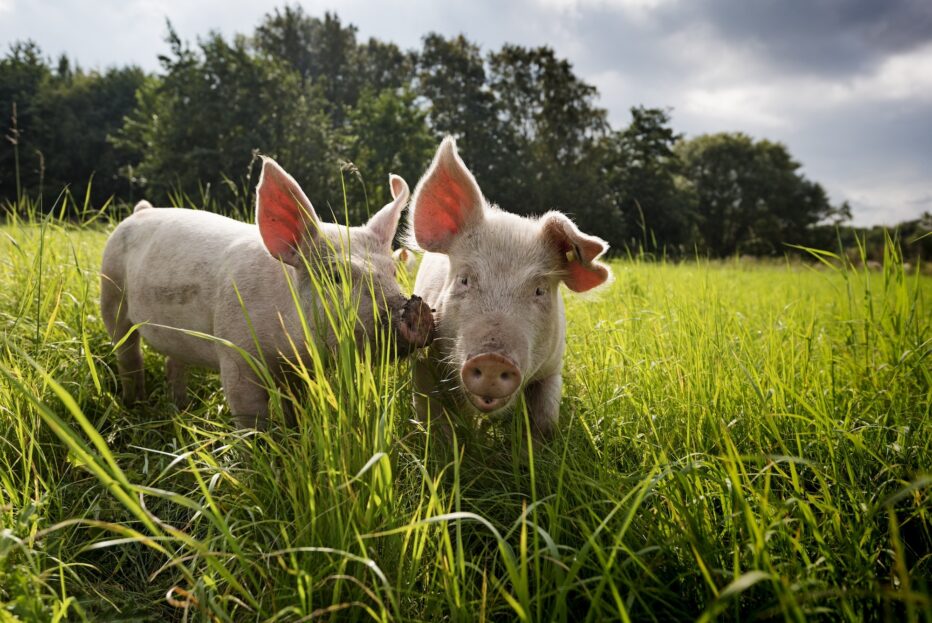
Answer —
824 37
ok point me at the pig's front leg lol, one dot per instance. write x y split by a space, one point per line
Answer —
426 405
247 397
543 405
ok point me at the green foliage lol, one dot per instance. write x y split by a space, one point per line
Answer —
63 119
22 74
641 169
202 123
452 78
321 51
390 134
340 113
748 195
737 442
552 124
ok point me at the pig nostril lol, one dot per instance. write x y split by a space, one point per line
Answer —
476 373
505 376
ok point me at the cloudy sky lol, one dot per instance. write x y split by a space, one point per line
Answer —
846 85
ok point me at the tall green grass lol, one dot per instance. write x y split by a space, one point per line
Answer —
735 443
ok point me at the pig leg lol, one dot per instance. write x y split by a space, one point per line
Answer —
543 405
177 375
248 399
129 352
426 405
131 369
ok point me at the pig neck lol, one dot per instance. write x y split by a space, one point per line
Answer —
290 314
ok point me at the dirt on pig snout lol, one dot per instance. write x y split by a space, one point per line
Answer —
415 326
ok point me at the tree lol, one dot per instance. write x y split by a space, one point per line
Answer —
23 72
451 76
201 123
63 119
552 128
85 109
323 52
389 135
749 196
540 96
641 167
382 66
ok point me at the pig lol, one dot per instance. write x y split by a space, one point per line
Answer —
492 279
166 269
405 258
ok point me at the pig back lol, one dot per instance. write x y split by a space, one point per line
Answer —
170 264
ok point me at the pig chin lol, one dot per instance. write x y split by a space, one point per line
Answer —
487 404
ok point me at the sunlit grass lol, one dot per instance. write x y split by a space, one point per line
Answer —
735 443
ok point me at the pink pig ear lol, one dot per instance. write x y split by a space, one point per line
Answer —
286 218
578 252
446 202
384 223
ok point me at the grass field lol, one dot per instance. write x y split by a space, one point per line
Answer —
737 442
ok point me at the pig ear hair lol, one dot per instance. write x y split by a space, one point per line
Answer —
286 218
447 200
384 223
577 251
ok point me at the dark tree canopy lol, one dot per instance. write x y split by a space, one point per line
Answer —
341 114
749 196
63 117
643 175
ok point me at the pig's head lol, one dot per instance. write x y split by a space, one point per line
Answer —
328 253
500 319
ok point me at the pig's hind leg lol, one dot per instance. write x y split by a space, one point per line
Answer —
177 374
114 311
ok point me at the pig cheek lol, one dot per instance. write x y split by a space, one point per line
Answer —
543 330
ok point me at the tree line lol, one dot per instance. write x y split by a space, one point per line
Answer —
341 113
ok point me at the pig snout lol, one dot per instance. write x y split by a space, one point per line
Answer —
490 380
415 325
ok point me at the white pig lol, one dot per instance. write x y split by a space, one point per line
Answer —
492 279
172 268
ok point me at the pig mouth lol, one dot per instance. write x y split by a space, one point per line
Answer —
487 404
415 326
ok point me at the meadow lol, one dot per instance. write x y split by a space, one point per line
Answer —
737 442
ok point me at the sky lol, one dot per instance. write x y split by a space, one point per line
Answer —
845 85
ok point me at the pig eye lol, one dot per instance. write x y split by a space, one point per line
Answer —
540 291
464 280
